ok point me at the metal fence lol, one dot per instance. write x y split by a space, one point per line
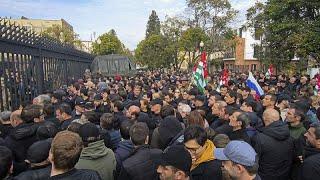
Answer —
31 64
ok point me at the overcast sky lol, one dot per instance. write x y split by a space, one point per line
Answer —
127 17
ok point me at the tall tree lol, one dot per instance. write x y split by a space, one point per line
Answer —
153 52
109 44
153 26
172 29
214 17
291 28
190 41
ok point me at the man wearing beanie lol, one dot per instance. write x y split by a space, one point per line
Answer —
95 155
37 159
175 163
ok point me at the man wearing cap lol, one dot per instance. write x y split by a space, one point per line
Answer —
175 164
239 159
95 155
79 108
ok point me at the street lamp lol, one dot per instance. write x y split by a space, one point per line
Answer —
98 42
201 44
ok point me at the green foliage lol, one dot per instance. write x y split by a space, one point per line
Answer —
291 28
60 33
110 44
190 41
154 52
153 26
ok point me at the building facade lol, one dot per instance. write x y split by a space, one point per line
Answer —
244 55
39 25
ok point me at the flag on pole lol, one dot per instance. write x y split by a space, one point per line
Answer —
253 84
270 71
200 72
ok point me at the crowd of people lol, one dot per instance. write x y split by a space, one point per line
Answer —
157 125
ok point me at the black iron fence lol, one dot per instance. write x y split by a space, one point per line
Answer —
31 64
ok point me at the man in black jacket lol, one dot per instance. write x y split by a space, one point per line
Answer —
140 165
63 114
21 137
65 154
274 147
311 165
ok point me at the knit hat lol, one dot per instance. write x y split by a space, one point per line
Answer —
89 132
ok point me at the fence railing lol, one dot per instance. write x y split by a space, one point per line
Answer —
31 64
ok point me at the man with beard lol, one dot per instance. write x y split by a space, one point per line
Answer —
175 164
239 160
311 164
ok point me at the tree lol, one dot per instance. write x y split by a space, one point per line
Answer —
109 44
153 52
153 26
290 27
172 29
60 33
189 42
214 17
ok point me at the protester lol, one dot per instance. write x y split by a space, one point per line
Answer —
274 147
95 155
239 160
6 165
175 164
65 154
201 150
140 165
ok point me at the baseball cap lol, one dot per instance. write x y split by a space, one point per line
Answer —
89 132
237 151
98 97
176 156
79 102
156 101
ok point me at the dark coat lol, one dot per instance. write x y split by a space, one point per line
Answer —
311 164
210 170
275 149
5 130
240 134
123 151
140 165
36 174
79 174
20 139
221 127
64 124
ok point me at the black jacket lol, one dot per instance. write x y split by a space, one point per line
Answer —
275 149
210 170
78 174
5 130
64 124
311 164
140 165
221 127
37 174
240 134
20 139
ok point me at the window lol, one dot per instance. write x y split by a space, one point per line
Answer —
256 51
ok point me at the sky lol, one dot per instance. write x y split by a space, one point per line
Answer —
127 17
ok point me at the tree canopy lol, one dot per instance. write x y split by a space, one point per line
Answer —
109 44
153 25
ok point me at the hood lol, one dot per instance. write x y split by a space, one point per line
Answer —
277 130
95 150
126 145
24 130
